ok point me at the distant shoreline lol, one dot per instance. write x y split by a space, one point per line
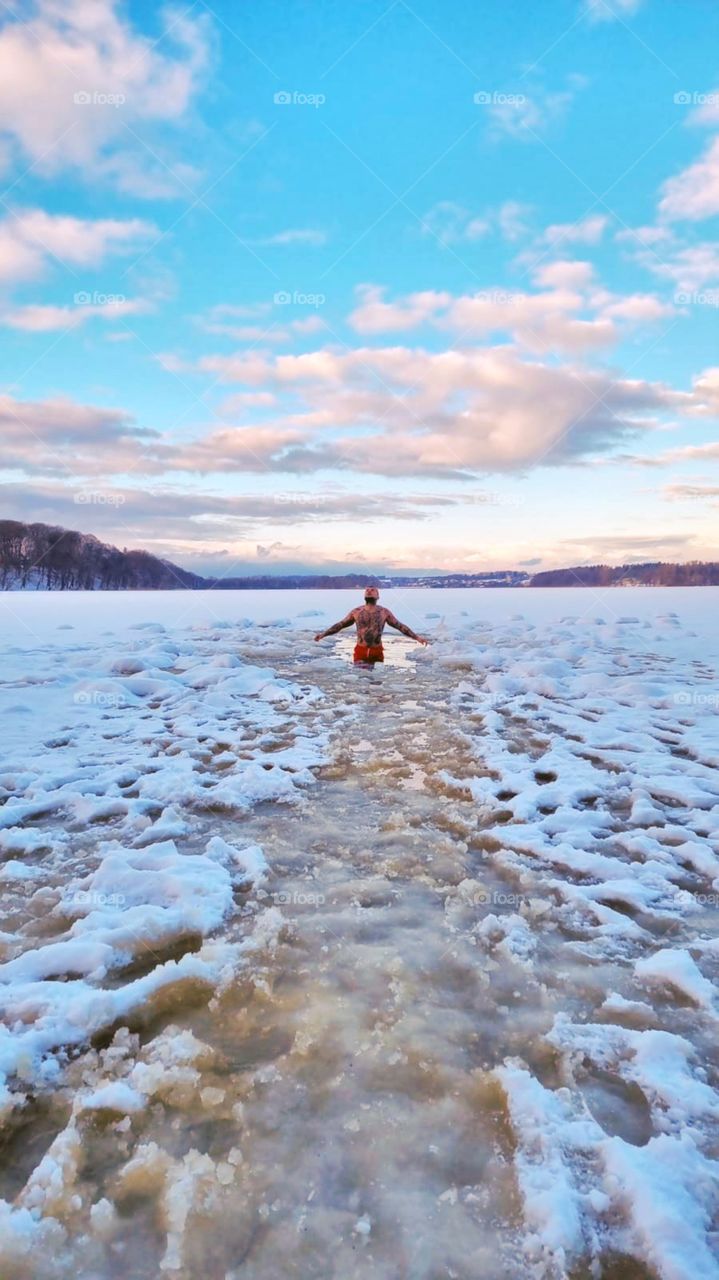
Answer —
387 586
40 557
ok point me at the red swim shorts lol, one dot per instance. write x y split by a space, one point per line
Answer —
368 653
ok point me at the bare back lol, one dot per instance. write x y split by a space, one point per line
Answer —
371 620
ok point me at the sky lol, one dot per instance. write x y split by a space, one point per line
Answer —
399 286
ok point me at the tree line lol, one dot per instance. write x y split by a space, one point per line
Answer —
47 557
657 574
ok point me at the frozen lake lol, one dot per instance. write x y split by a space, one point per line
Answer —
27 614
322 973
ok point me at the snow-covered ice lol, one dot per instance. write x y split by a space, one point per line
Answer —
318 973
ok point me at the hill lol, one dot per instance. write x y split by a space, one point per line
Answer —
47 557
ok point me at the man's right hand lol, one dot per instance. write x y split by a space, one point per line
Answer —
424 640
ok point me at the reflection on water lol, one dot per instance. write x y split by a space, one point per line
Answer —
398 651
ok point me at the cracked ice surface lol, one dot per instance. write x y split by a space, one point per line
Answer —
326 974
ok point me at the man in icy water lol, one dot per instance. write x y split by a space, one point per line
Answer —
370 619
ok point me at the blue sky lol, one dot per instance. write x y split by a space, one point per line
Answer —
395 286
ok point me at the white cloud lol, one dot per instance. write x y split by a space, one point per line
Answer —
569 313
686 453
389 411
219 535
638 308
689 267
46 319
626 548
643 236
152 177
560 237
451 223
31 238
525 115
244 401
693 194
706 385
75 78
565 274
708 110
275 336
703 402
265 324
587 230
299 235
194 517
60 436
691 492
511 218
274 550
374 315
541 322
414 412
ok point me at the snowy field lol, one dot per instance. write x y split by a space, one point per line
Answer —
332 974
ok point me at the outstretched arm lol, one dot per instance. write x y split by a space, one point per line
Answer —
406 631
337 626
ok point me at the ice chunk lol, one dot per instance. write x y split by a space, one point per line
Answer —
674 967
